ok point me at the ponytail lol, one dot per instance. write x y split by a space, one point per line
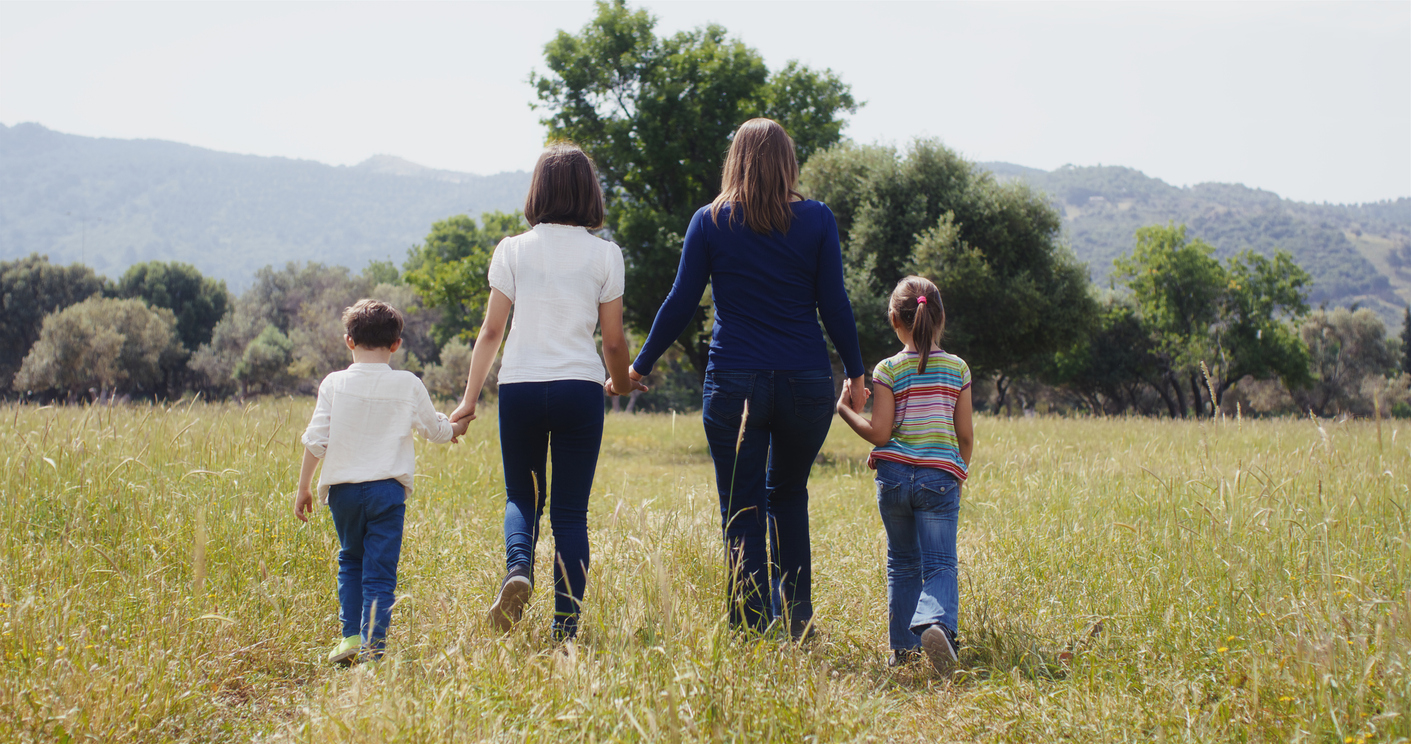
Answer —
917 303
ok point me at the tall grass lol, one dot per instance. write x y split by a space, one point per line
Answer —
1249 582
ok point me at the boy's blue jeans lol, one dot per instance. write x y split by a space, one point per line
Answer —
368 518
919 507
567 417
764 490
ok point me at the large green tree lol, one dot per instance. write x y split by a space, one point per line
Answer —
448 271
101 344
656 114
1014 295
30 289
198 302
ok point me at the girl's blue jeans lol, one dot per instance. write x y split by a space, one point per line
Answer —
368 518
564 417
920 507
762 477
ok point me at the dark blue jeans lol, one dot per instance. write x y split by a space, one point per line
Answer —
764 491
565 416
920 508
368 518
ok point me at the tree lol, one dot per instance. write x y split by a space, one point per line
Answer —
1406 342
448 271
1347 349
1014 296
102 344
197 302
1109 369
265 362
30 289
656 114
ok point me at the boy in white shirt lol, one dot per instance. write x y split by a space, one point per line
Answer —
362 430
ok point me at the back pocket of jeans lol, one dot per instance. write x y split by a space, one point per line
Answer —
725 396
813 398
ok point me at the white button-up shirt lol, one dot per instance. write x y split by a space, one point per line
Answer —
363 422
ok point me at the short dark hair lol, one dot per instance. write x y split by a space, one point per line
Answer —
373 324
565 189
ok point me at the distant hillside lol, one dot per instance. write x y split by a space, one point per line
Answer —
1356 253
112 203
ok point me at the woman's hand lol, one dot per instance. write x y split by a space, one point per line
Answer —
856 392
636 385
466 410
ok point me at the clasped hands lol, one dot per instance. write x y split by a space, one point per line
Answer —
634 377
855 394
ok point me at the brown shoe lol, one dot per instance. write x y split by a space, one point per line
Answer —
509 603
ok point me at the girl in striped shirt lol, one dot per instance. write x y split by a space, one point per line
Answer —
923 435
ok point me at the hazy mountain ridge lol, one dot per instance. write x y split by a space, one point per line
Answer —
1356 253
112 203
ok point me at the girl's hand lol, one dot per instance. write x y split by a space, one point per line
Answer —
610 389
855 389
845 399
466 410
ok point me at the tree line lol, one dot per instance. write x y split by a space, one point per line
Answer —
1176 332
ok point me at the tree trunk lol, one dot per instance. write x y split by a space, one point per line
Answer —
1180 396
1002 390
1197 399
632 400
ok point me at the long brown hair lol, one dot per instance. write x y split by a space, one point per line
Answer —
759 177
564 189
926 320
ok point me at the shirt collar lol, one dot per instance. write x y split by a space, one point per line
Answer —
370 366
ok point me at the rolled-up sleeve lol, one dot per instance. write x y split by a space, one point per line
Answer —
315 437
433 425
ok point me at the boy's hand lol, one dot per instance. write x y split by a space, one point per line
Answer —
303 504
458 428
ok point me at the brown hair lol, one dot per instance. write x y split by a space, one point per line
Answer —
926 321
565 189
759 177
373 324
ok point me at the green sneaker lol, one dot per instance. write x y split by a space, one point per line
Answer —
346 652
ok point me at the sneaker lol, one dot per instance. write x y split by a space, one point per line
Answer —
904 657
803 631
346 651
509 604
939 647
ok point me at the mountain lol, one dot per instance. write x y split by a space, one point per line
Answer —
1357 254
111 203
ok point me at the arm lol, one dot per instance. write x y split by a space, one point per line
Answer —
434 427
836 312
681 303
615 352
884 411
304 497
964 425
487 347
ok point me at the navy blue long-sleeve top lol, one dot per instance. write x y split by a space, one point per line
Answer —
769 291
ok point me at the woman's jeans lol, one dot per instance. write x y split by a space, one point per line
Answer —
566 415
767 485
919 508
368 518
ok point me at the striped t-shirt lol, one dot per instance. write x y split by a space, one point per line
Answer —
923 432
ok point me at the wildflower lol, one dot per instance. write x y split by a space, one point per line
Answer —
1222 649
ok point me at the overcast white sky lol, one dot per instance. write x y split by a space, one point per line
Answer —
1310 100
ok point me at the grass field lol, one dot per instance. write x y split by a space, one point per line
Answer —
1251 581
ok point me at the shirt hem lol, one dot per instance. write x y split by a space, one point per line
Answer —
945 465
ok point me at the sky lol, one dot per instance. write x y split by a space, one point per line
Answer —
1309 100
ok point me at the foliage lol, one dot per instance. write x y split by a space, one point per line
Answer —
1347 349
1110 369
1013 294
30 289
101 345
198 302
656 114
449 270
446 379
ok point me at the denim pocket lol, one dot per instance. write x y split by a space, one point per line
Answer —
725 395
813 397
938 493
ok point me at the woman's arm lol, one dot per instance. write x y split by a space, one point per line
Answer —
487 347
879 430
681 303
964 425
836 311
615 351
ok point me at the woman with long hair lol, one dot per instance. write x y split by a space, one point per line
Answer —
775 267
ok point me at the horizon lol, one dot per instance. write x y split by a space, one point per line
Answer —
1311 101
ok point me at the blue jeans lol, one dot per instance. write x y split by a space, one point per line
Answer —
568 413
764 491
368 518
920 507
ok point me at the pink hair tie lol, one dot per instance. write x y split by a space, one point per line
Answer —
921 300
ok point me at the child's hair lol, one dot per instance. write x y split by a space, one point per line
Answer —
373 324
761 171
926 320
565 189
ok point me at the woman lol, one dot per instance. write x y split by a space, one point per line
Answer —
774 264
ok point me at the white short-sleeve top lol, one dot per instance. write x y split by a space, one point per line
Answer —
556 276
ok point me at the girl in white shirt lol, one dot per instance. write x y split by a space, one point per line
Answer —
563 282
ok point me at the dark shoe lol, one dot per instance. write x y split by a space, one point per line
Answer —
509 603
904 657
939 647
803 630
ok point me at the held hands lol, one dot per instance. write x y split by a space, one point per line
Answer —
458 428
466 410
303 504
636 382
855 394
